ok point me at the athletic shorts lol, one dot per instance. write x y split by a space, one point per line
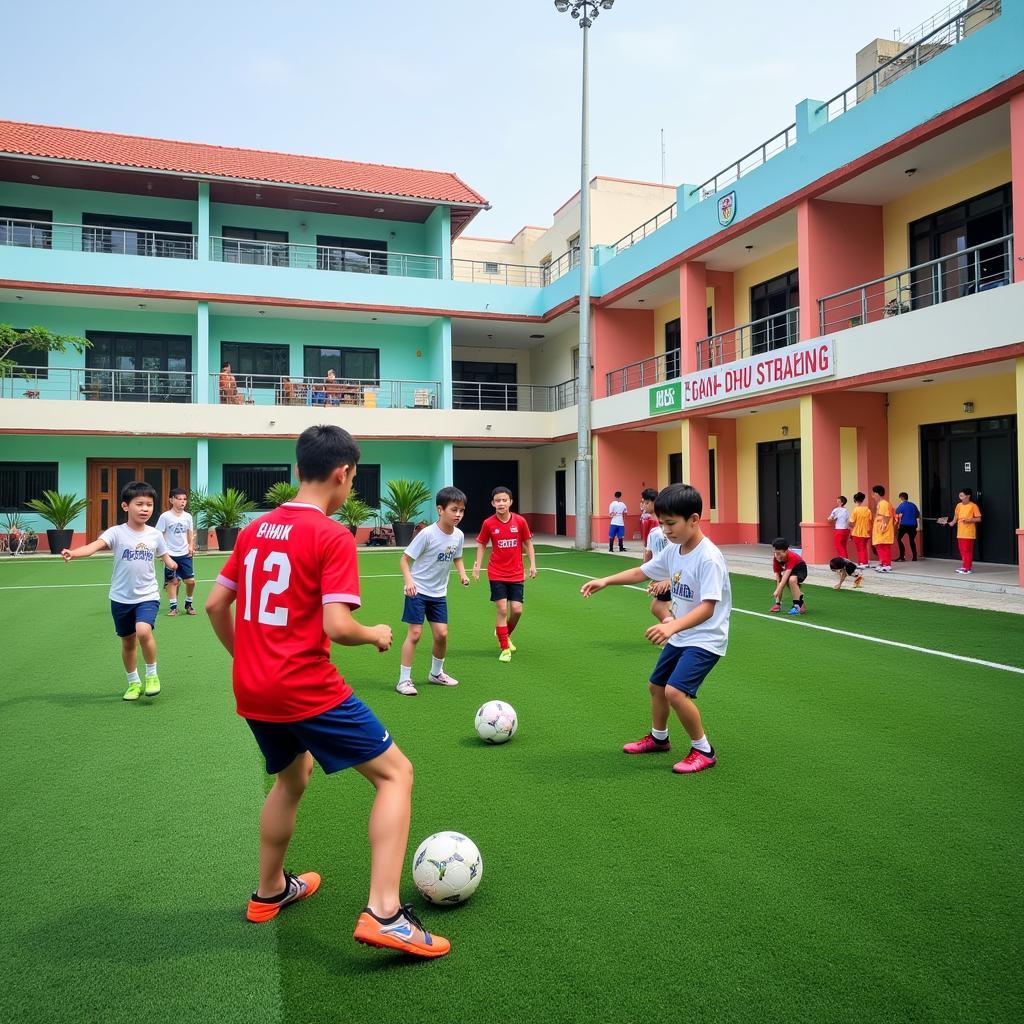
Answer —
684 668
127 615
346 735
501 590
184 570
433 609
616 531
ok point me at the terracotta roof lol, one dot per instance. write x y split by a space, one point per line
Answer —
114 150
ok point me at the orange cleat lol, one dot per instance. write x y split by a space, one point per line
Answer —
404 932
297 887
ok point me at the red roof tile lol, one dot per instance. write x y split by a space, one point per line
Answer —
115 150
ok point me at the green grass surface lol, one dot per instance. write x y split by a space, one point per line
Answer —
854 856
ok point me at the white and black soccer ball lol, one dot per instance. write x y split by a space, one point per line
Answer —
447 868
496 722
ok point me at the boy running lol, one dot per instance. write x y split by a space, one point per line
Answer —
697 635
293 572
432 552
509 535
180 536
134 594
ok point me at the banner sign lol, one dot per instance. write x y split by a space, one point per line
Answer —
666 398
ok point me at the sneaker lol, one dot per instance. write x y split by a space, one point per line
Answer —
134 691
297 887
863 565
695 761
406 688
964 572
172 613
648 745
797 609
511 646
404 933
189 610
506 655
775 607
857 581
152 686
442 679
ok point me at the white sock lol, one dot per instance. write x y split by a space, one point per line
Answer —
660 734
150 669
702 745
404 673
133 676
436 666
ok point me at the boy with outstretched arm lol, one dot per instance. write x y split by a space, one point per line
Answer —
294 576
695 637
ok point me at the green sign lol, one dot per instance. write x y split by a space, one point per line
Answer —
666 398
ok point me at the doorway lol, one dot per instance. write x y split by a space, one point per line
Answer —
477 478
560 526
778 491
105 478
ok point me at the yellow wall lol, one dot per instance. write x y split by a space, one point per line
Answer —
981 177
662 315
750 431
669 442
848 462
779 262
939 403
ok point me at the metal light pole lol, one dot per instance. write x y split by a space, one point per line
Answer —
585 11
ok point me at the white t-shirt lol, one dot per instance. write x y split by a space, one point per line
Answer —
434 551
175 529
134 579
656 540
616 510
699 576
841 516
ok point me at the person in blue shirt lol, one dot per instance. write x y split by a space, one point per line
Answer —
908 515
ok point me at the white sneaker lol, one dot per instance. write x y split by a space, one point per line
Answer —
442 679
405 688
964 572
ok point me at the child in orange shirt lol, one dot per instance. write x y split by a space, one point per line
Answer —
966 517
883 530
860 529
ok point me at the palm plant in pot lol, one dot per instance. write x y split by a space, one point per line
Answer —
354 512
197 508
60 511
281 492
402 502
227 513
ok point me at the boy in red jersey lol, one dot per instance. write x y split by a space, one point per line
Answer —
509 534
790 571
294 574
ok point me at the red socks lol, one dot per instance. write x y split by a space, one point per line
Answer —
502 632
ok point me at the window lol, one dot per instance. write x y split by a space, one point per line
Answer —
137 236
367 484
38 360
255 366
484 385
347 363
355 255
144 367
255 481
673 341
253 245
574 250
35 235
490 268
712 481
545 270
772 301
574 357
22 481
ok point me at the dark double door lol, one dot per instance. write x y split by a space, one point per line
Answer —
981 455
778 491
477 478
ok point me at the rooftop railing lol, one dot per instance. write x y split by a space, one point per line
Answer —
978 269
514 397
757 157
96 385
521 274
239 388
36 234
763 335
638 234
950 32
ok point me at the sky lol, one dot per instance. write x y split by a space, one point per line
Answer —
489 90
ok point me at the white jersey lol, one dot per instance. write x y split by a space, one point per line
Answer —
134 579
841 517
176 529
616 510
656 541
698 576
433 552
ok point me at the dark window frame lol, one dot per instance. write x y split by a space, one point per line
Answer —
41 368
780 328
109 233
100 381
481 372
272 252
14 482
234 474
30 237
338 252
280 357
367 484
339 367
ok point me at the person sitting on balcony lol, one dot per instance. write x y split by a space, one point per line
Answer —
332 390
229 394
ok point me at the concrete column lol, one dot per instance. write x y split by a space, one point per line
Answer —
1017 173
1020 469
203 386
726 530
693 313
624 461
695 460
203 225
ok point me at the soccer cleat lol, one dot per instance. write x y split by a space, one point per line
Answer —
442 679
648 745
506 655
775 607
172 613
296 887
511 646
152 686
695 761
797 609
189 610
406 688
404 933
134 691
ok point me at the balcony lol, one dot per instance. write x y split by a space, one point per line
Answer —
57 383
763 335
522 275
978 269
33 234
654 370
267 389
515 397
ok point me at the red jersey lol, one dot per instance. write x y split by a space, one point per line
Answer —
506 563
792 561
285 567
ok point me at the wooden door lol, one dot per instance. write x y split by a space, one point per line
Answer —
106 477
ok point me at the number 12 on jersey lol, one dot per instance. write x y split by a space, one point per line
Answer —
277 584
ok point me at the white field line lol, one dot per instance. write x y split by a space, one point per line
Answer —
839 632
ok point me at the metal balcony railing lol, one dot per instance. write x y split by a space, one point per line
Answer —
763 335
757 157
239 388
36 234
638 234
950 32
304 256
653 370
978 269
96 385
488 272
514 397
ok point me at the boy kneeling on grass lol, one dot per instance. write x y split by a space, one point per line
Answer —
846 568
790 571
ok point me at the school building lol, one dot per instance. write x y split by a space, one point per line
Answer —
841 306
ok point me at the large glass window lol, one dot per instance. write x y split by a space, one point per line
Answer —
255 481
673 339
254 245
348 364
355 255
137 236
478 385
138 367
367 484
23 481
255 366
20 225
771 302
38 360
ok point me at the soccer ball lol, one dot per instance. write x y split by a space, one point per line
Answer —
496 722
447 867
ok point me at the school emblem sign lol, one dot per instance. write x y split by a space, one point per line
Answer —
727 209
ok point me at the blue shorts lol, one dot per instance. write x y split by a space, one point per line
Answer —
684 668
434 609
346 735
183 572
616 531
126 615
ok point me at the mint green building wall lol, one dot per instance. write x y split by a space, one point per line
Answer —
68 204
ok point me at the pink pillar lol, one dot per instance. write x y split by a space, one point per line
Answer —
1017 165
695 460
693 303
726 530
619 337
725 309
627 461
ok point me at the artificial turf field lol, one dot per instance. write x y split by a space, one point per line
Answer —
855 855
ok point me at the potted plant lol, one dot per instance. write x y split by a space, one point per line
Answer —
31 541
12 528
60 511
227 514
197 508
279 493
354 512
402 502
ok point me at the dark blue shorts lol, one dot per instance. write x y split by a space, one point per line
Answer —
184 570
684 668
504 591
346 735
126 615
434 609
616 531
